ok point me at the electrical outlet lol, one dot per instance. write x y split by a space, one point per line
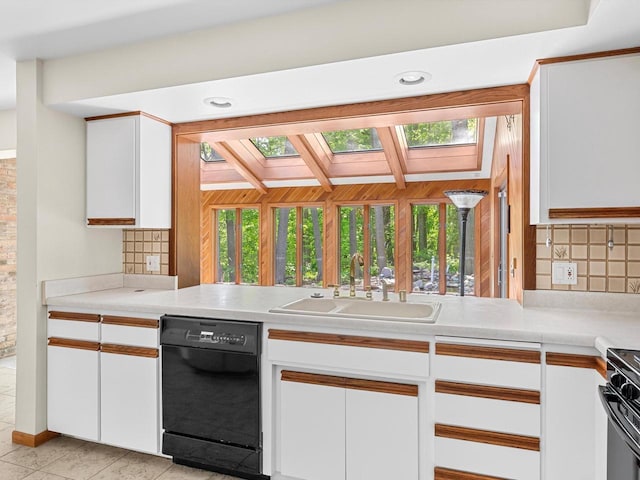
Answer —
153 263
564 273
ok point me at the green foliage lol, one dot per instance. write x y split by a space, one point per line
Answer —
250 243
441 133
361 139
208 154
272 147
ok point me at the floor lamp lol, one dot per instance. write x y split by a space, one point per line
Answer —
465 200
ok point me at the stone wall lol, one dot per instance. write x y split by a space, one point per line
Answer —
8 248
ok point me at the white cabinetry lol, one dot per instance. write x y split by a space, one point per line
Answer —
575 421
331 422
73 369
103 379
584 141
129 172
487 409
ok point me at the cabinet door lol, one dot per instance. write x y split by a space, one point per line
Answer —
72 388
129 398
111 168
381 435
312 423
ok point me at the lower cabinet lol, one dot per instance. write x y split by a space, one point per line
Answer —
73 388
129 412
345 428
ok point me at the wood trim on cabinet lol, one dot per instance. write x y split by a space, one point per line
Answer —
127 350
29 440
583 56
440 473
350 340
69 343
110 221
488 353
350 383
486 391
131 321
77 317
523 442
129 114
603 212
577 361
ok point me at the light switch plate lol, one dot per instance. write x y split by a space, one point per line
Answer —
564 273
153 263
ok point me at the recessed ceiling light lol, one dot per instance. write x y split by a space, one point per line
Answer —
415 77
218 102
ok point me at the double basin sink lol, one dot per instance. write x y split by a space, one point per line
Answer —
346 307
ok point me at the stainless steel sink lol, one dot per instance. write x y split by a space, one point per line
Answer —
360 308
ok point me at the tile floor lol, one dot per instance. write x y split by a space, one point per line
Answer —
66 458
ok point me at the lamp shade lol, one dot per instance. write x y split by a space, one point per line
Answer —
465 198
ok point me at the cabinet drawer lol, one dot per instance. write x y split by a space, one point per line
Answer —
486 365
338 352
79 330
488 414
116 330
485 459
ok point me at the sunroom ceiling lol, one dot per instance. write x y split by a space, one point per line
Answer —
305 154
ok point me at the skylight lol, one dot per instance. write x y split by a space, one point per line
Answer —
349 141
275 147
437 134
208 154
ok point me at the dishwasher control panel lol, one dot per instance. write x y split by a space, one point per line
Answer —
203 336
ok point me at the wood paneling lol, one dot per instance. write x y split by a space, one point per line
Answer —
449 474
78 317
489 353
130 321
79 344
127 350
604 212
350 383
577 361
487 436
110 221
33 441
129 114
390 144
184 236
486 391
350 340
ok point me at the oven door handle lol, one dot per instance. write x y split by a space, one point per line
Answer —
609 400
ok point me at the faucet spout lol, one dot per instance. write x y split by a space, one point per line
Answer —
385 290
356 257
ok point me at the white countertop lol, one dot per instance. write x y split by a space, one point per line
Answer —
460 316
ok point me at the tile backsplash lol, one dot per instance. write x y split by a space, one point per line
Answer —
601 267
137 244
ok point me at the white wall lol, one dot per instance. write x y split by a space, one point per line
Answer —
8 137
52 239
345 30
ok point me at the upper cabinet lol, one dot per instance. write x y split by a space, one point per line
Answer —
129 172
585 147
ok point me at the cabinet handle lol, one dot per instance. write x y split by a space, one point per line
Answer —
523 442
78 317
350 383
486 391
126 350
489 353
130 321
69 343
111 221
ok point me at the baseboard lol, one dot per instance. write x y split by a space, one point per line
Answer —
29 440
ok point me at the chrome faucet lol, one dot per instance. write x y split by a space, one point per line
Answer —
352 272
385 290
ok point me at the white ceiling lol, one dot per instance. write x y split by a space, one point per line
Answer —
613 24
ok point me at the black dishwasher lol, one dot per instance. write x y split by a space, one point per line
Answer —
211 394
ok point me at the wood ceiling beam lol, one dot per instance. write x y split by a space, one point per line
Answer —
483 102
233 159
395 156
310 157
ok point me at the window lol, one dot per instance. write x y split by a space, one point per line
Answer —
451 132
298 250
208 154
425 263
453 252
349 141
375 239
275 147
236 243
